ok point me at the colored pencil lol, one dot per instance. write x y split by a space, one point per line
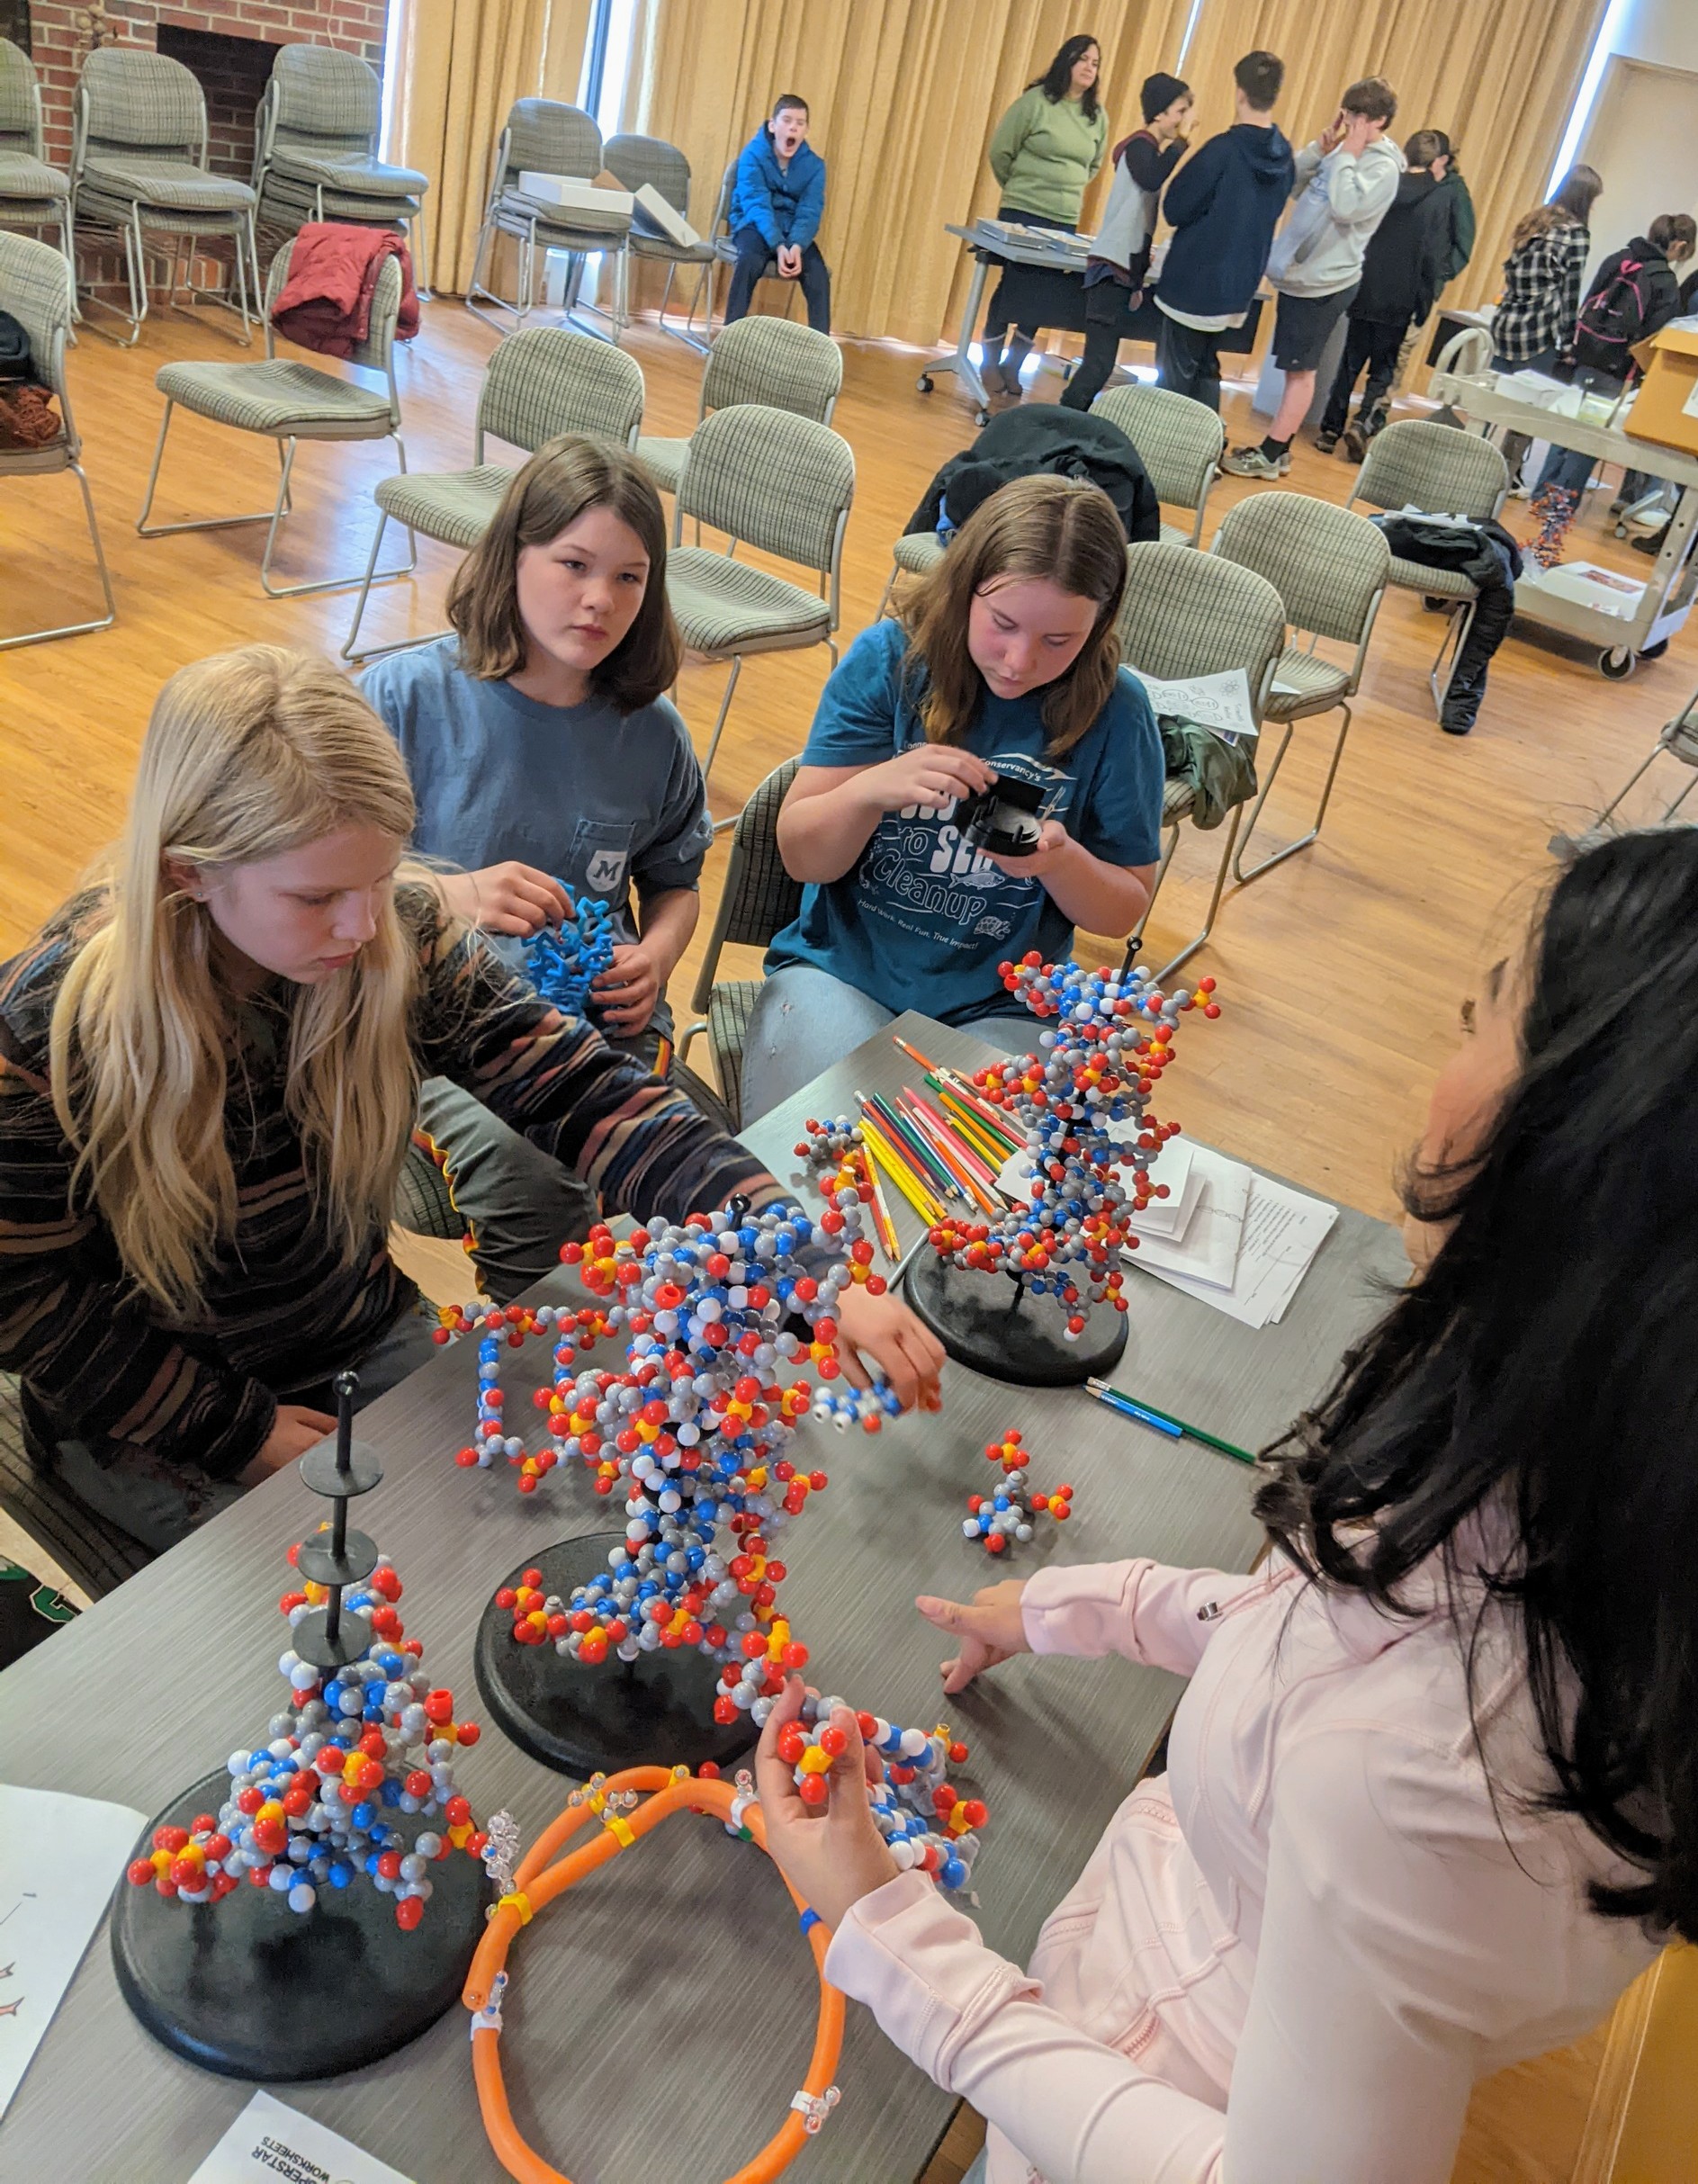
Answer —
888 1241
914 1053
972 1119
902 1131
954 1160
899 1173
894 1148
1163 1421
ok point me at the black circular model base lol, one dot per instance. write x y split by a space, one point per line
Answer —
656 1712
980 1321
251 1990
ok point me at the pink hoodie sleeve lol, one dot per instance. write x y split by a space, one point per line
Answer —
978 2026
1152 1614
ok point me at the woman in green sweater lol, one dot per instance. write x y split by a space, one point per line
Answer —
1047 148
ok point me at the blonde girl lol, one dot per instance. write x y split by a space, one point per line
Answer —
1004 666
209 1061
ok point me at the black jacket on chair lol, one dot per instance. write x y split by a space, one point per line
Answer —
1041 436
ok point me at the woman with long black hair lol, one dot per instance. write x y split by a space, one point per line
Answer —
1432 1797
1047 148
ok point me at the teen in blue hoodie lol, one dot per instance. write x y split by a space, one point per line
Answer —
1224 203
777 205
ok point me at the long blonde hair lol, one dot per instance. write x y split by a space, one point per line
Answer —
248 754
1062 529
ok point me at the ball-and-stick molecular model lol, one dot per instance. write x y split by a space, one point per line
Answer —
500 1328
323 1802
693 1433
564 961
1075 1103
928 1825
1007 1516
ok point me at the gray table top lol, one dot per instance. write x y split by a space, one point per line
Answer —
635 1971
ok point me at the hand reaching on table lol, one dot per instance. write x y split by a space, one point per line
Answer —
832 1856
884 1332
990 1630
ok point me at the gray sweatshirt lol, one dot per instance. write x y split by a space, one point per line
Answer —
1341 199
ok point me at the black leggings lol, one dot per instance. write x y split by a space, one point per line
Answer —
996 318
1107 323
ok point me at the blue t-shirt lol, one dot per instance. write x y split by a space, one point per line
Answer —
605 801
921 920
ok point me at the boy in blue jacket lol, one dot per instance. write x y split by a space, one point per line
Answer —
777 203
1224 203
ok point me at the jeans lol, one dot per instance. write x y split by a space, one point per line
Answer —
754 255
1366 343
518 1204
160 1503
1569 467
1189 362
1107 323
805 1020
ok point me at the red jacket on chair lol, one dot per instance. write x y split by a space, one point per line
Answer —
326 302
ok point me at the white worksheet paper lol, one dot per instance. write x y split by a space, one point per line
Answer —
1208 1252
1282 1231
1173 1167
59 1858
268 2141
1220 702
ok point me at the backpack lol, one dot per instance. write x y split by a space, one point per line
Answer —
15 361
1613 319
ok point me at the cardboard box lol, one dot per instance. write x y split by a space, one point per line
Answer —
1665 407
584 204
667 217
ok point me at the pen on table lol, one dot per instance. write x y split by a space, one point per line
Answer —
1176 1429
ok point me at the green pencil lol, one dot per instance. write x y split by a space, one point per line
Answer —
1105 1393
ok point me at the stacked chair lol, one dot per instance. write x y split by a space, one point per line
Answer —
543 137
36 288
636 160
33 195
540 383
315 156
140 177
287 402
760 360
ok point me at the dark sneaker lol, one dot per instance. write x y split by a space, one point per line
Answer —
1356 437
1324 443
1252 463
1651 543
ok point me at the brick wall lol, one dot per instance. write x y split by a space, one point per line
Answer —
233 73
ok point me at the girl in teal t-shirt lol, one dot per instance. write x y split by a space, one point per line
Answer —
1004 666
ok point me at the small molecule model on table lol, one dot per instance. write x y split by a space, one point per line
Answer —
564 961
928 1825
320 1804
1008 1515
1097 1068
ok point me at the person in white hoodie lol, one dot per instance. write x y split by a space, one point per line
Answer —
1346 182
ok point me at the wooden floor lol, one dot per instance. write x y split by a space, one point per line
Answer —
1341 973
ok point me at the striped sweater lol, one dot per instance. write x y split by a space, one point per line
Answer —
284 1309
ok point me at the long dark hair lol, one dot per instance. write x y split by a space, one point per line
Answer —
1056 81
562 481
1544 1371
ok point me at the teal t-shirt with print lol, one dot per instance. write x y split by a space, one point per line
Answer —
921 920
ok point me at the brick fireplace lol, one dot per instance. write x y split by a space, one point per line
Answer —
228 44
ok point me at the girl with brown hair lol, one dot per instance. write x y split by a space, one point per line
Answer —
208 1065
547 761
1004 668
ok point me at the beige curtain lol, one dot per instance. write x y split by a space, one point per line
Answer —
905 95
461 65
1498 76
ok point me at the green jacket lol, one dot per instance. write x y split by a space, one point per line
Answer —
1044 155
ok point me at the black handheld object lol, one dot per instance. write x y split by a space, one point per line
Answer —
1003 818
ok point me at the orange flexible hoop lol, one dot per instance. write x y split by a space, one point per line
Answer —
536 1883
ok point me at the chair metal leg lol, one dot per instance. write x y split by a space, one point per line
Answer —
884 596
686 334
77 629
417 232
719 725
1135 943
327 583
1304 841
198 523
1456 630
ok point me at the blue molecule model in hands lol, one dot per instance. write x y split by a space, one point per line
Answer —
563 961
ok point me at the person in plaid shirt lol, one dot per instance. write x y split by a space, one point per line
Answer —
1535 322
